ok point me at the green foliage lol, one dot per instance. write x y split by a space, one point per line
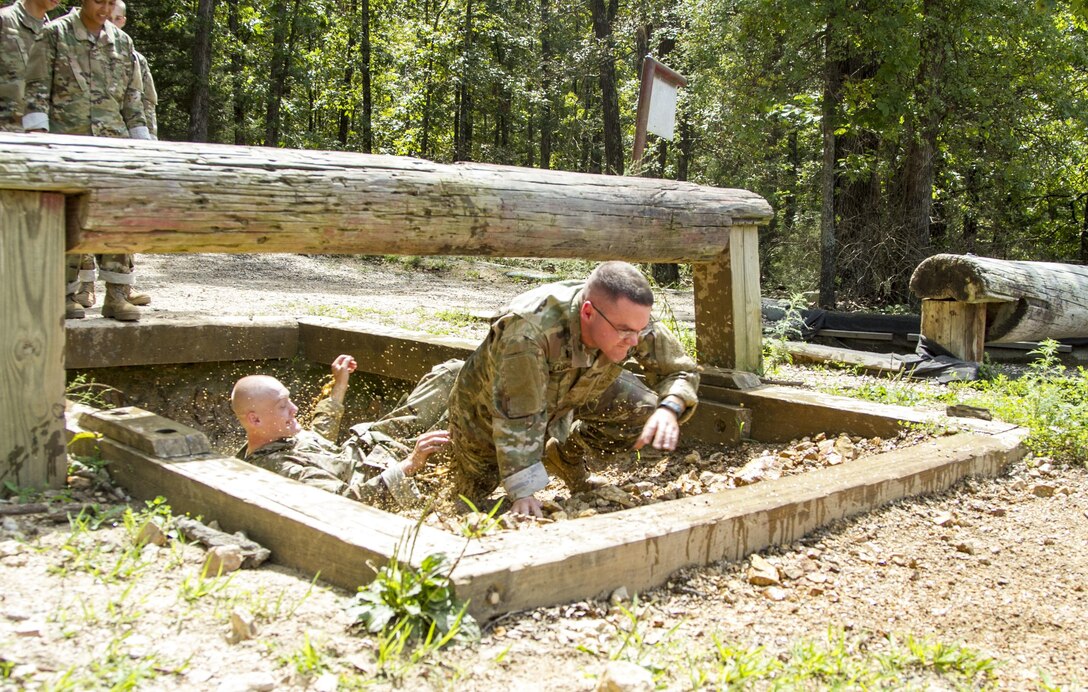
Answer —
775 353
1048 400
82 389
477 524
414 602
308 660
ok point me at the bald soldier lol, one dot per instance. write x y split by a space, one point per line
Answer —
20 24
547 390
82 78
370 467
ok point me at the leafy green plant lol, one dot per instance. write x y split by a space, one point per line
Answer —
478 524
84 390
307 660
775 351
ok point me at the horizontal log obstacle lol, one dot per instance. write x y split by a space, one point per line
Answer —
968 301
124 195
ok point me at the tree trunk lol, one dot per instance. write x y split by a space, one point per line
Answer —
462 136
603 17
202 62
237 74
283 36
828 239
547 56
345 114
367 124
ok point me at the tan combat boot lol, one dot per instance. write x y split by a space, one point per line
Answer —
117 307
135 297
72 309
574 474
85 294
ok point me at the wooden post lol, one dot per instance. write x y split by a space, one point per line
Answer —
728 322
959 327
32 369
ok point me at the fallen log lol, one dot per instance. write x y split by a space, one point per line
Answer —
1022 301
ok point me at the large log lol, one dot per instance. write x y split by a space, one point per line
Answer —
140 196
1025 301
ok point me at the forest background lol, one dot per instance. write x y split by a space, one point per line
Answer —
881 131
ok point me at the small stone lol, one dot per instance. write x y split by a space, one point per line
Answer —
619 596
223 559
775 593
9 548
762 573
997 511
151 534
624 676
943 519
79 483
816 577
243 626
792 572
559 516
328 682
1043 490
968 547
248 682
551 506
590 512
494 597
29 629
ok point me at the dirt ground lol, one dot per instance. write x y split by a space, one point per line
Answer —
996 565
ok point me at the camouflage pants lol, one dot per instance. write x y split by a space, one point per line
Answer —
424 408
609 425
113 269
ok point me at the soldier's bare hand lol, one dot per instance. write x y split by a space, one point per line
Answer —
528 507
662 431
427 444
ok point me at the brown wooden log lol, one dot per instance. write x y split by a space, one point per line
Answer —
139 196
1025 301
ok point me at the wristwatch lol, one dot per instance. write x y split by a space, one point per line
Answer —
672 406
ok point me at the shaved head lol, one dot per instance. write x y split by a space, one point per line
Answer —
264 408
253 393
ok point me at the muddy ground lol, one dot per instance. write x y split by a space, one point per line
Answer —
996 565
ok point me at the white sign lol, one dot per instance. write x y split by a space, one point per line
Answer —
662 117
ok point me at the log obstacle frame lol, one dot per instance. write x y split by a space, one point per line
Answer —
120 195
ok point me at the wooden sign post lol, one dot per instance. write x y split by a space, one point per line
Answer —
656 105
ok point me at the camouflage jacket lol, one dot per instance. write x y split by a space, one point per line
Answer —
150 96
18 29
524 382
366 468
79 84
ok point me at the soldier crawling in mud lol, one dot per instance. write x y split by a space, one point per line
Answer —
371 466
547 389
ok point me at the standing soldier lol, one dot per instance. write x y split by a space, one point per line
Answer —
151 97
82 79
20 24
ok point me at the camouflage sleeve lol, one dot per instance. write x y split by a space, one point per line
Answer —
670 371
327 417
519 398
132 108
150 98
39 81
379 478
311 468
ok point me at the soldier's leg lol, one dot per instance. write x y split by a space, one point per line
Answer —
474 465
611 425
72 309
84 294
116 271
424 408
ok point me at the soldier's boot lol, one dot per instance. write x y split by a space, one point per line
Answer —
85 294
72 309
115 305
573 473
135 297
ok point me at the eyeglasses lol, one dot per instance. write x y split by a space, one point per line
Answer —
625 333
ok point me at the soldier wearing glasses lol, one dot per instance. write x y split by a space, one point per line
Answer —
547 387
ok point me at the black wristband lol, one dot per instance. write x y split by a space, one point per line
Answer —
672 406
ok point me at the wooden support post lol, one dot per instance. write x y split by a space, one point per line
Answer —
728 321
32 369
957 326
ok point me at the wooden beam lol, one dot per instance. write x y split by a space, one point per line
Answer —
957 326
804 352
728 322
95 343
139 196
32 339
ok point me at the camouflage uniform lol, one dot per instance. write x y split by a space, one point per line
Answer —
366 468
533 379
150 96
80 84
18 29
423 409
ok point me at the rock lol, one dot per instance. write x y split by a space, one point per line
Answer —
9 548
551 506
151 534
792 571
559 516
1043 490
223 559
619 596
590 512
624 676
248 682
775 593
762 573
243 626
944 519
328 682
968 547
758 469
